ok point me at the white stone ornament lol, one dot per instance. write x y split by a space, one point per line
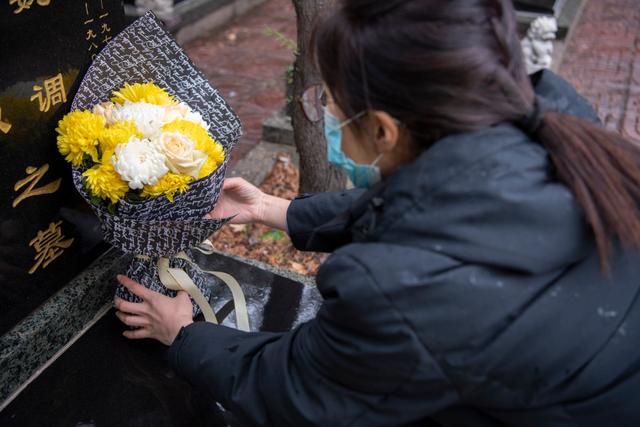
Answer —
537 46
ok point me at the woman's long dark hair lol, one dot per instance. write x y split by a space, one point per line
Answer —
447 67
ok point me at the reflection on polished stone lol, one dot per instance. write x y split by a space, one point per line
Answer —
107 380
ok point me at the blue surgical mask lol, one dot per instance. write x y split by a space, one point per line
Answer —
362 176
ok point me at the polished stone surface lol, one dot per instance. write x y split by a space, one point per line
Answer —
47 234
105 380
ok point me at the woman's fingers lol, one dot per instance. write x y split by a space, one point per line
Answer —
132 320
137 334
232 183
136 288
129 307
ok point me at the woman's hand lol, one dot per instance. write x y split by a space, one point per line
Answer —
249 204
158 316
240 198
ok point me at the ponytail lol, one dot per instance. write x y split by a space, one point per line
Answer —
603 171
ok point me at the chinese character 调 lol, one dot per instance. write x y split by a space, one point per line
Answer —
54 93
49 245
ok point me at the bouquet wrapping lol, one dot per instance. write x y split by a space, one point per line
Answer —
153 208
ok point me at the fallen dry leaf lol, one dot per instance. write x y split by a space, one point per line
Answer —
259 242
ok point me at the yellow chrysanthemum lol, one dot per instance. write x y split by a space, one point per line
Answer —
202 141
168 186
143 92
78 134
118 133
208 168
104 182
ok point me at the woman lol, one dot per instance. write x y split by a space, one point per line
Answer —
490 278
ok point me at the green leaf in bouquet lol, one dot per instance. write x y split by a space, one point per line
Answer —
94 200
112 208
87 162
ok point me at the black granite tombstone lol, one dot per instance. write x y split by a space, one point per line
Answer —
47 235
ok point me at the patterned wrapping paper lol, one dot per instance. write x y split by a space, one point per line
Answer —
145 52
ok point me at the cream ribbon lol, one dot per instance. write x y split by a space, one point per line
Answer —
177 279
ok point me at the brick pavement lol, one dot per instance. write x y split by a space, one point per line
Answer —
602 60
248 66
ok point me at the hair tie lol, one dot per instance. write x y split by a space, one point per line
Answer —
532 122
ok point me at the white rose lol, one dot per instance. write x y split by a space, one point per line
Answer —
105 109
147 117
182 111
180 153
139 162
175 112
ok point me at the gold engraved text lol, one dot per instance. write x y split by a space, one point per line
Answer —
52 94
33 178
49 245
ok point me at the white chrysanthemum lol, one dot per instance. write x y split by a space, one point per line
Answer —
139 162
147 117
195 117
192 116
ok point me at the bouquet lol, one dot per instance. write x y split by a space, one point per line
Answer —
149 139
141 144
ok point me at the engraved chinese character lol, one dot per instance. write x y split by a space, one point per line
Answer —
22 5
105 28
49 245
33 178
5 127
54 93
106 39
26 4
91 35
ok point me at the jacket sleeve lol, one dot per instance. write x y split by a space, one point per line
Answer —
308 212
357 364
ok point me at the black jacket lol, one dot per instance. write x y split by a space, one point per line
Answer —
465 289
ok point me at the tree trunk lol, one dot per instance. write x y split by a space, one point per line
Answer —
316 174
